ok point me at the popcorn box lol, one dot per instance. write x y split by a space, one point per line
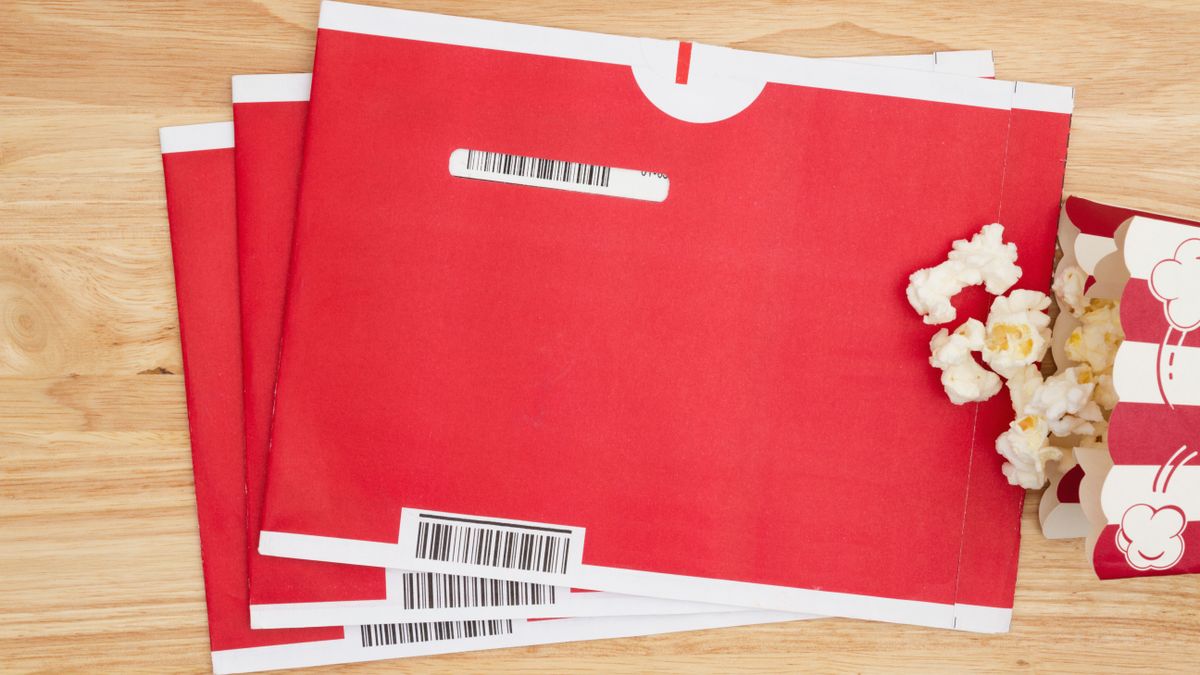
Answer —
1151 495
1138 493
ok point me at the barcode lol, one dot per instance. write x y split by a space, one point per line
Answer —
434 590
383 634
557 174
518 547
555 170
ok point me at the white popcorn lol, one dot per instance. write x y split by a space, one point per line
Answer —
1018 331
1062 394
1061 405
949 349
1068 406
1069 280
963 378
995 260
1094 344
930 289
1081 424
983 259
1105 394
1096 339
969 382
1070 403
1026 448
1022 386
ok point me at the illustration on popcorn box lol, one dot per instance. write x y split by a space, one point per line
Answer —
1141 484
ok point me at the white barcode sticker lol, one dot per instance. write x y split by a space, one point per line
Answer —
432 590
559 174
387 634
515 550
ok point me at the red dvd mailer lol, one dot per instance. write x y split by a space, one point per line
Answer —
571 308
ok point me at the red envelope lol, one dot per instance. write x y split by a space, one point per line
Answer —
628 315
269 116
198 165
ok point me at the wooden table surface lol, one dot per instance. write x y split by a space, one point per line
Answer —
99 557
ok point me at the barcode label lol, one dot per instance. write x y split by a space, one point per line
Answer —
535 167
431 590
530 551
490 547
559 174
384 634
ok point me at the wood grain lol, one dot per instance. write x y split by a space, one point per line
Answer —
99 563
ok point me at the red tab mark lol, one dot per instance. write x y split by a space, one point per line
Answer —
683 63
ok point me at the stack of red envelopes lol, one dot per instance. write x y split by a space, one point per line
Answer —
485 323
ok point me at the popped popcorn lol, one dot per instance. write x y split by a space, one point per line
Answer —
983 259
1060 405
1026 449
995 260
1066 409
969 382
1064 393
1105 394
1022 386
1080 424
1018 331
930 289
1096 339
1069 280
948 348
962 377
